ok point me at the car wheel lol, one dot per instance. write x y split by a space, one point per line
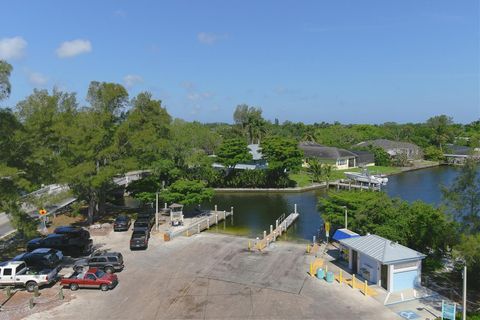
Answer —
73 286
31 286
104 287
109 270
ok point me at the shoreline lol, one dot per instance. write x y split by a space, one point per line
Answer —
315 186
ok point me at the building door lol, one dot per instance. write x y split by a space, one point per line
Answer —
384 276
354 261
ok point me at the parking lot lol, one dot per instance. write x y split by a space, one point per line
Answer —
211 276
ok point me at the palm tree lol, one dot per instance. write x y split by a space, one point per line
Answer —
315 169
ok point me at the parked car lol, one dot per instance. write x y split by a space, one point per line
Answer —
92 278
16 273
139 240
61 242
122 223
109 262
147 217
75 235
41 258
142 225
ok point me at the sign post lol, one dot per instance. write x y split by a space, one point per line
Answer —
448 310
327 229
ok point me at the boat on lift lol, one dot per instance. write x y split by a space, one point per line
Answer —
366 177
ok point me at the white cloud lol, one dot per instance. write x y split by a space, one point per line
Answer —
37 79
210 38
131 80
72 48
12 48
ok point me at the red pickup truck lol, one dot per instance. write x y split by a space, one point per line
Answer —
93 278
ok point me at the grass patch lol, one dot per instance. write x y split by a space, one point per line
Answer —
303 178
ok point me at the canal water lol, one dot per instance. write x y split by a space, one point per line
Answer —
255 212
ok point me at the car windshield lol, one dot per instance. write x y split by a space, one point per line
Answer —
138 235
99 273
122 218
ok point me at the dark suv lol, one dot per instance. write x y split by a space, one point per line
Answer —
110 262
142 225
43 258
147 217
122 223
139 240
61 242
74 234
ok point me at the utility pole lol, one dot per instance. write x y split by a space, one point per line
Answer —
156 211
464 311
346 217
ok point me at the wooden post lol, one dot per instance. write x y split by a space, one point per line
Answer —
208 223
231 210
264 234
271 229
353 279
276 224
215 208
216 218
224 214
365 287
295 207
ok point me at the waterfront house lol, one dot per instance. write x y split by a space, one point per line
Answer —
459 154
395 148
337 157
386 263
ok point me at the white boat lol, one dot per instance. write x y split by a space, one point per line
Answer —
366 177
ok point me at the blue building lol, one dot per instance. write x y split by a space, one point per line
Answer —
384 262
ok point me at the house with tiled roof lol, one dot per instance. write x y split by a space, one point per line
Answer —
395 148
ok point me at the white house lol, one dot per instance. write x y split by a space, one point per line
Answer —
384 262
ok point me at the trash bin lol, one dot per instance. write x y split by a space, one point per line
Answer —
166 236
330 277
320 273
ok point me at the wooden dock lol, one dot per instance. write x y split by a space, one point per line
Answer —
339 184
200 223
281 225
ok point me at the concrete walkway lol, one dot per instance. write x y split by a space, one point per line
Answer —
210 276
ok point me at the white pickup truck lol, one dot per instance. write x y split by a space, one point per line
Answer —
17 274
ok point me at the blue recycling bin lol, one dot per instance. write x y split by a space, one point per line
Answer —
330 277
320 273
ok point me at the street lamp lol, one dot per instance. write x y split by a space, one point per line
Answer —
464 311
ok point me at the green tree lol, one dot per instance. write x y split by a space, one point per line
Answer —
468 250
144 135
282 154
96 156
46 120
433 153
441 127
5 86
326 172
251 121
232 152
187 192
315 169
419 226
463 196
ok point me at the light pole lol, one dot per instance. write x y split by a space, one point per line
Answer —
464 311
346 217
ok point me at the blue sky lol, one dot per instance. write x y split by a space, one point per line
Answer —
311 61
